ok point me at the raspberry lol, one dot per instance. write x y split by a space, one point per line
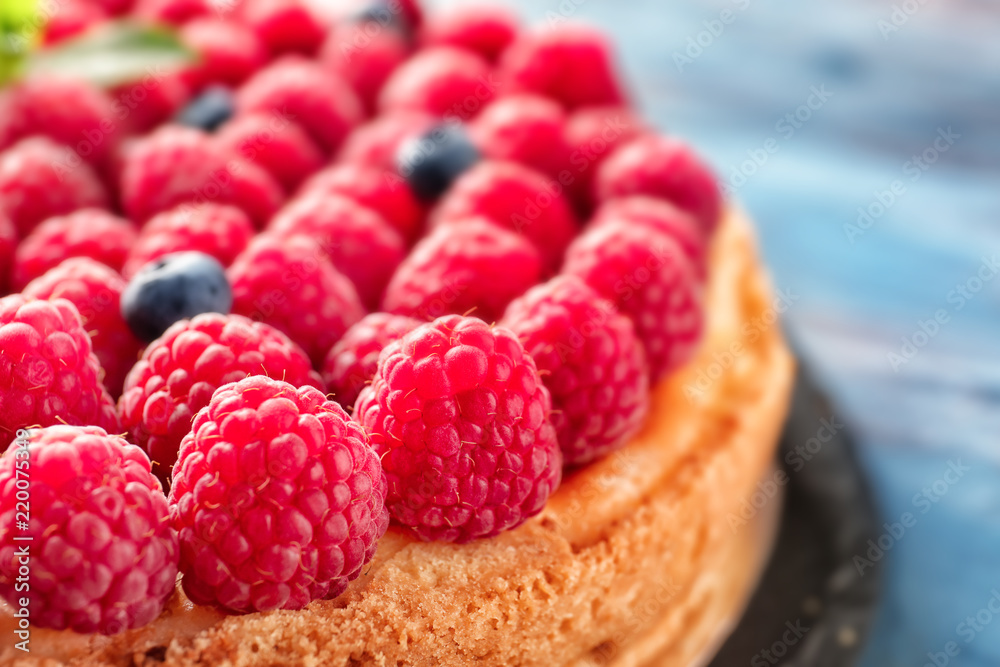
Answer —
144 104
447 82
590 360
278 497
302 91
291 284
178 373
376 143
96 292
516 198
570 63
661 215
460 419
352 361
645 273
527 129
485 31
277 145
90 232
385 193
8 244
114 7
229 53
592 134
284 26
361 245
365 55
457 268
222 232
179 165
70 18
666 168
103 553
40 179
48 371
68 111
172 12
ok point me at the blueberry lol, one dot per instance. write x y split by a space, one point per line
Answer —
172 288
386 14
431 162
209 110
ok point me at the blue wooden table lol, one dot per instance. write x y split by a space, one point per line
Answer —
864 138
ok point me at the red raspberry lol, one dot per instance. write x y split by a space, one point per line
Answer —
229 53
376 143
411 12
48 371
571 63
172 12
365 54
145 104
277 145
291 284
178 373
8 244
40 179
645 273
663 216
527 129
90 232
302 91
485 31
96 292
592 134
103 553
590 360
351 362
460 419
469 266
222 232
70 18
278 497
666 168
384 192
447 82
361 245
180 165
516 198
68 111
114 7
284 26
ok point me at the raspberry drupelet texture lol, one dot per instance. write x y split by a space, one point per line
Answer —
229 53
291 284
48 371
279 146
646 274
178 373
445 81
593 134
37 183
468 266
590 359
92 233
278 498
460 419
485 31
96 292
103 553
217 230
527 129
352 361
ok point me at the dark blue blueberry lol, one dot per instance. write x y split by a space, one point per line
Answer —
386 14
431 162
209 110
172 288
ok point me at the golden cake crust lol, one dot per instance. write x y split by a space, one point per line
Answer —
632 561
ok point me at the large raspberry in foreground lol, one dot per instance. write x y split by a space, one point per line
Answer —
459 416
103 556
179 372
48 371
590 359
278 497
103 553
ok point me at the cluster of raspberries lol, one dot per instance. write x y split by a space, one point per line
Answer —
483 319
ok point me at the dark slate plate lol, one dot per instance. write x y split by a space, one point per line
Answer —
813 607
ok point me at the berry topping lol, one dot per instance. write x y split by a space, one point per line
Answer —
528 129
431 162
229 53
278 498
171 288
365 55
591 361
276 144
485 31
593 134
8 245
103 553
210 110
460 419
284 26
447 82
